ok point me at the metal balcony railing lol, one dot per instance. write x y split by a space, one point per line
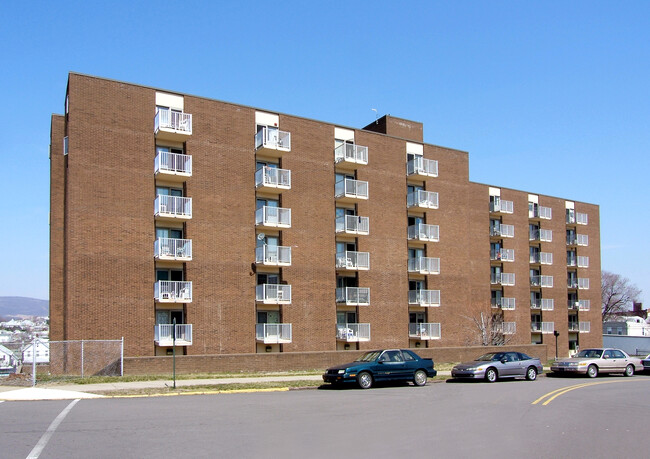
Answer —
273 293
502 255
173 163
273 255
585 327
547 304
544 327
503 230
272 177
583 283
273 216
426 298
582 240
502 206
353 260
173 291
173 206
273 139
424 265
165 248
352 332
424 232
502 278
508 303
349 188
573 326
582 219
273 333
168 119
353 296
424 331
352 224
423 199
422 166
583 262
584 305
351 153
164 334
541 281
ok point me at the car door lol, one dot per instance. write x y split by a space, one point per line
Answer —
620 360
608 362
511 366
392 364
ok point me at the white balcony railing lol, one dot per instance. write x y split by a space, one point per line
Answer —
349 188
350 153
271 138
546 258
507 328
508 303
502 255
273 255
173 163
502 278
173 291
424 232
582 219
352 224
167 119
424 265
273 216
546 235
273 293
503 231
584 305
574 327
544 327
353 260
541 212
541 281
547 304
164 334
353 296
423 167
424 331
173 207
426 298
583 283
583 262
272 177
536 303
582 240
353 332
165 248
423 199
585 327
502 206
273 333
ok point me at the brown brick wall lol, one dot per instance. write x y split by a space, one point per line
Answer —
57 227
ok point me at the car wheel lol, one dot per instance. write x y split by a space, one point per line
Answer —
629 370
420 378
491 375
531 374
364 380
592 371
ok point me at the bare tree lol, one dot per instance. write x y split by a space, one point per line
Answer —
617 294
485 328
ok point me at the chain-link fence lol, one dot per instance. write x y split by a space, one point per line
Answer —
42 360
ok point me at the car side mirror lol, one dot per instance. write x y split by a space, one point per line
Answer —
504 360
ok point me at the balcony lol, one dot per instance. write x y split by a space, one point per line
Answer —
422 168
502 279
172 292
352 333
583 283
574 327
423 232
273 333
349 190
502 255
507 328
508 304
424 265
541 281
350 154
585 327
547 304
536 304
353 224
424 331
584 305
582 219
272 141
425 298
273 294
540 212
272 179
542 327
421 199
273 255
582 240
353 296
165 248
583 262
353 261
172 207
164 335
273 217
172 125
503 231
572 282
172 166
501 206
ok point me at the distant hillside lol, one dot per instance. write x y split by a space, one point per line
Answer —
11 306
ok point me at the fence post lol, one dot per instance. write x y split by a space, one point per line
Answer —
34 362
122 358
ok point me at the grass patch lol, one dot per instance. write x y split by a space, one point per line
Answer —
208 388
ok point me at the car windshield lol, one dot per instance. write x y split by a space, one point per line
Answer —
490 357
590 354
369 356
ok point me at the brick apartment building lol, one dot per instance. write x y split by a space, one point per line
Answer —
264 232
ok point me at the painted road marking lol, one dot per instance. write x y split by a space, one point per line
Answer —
38 449
563 390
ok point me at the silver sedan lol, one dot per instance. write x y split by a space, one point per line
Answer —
497 365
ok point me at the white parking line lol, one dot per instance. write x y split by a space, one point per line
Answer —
38 449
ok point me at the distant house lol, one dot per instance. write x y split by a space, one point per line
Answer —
627 326
7 359
42 353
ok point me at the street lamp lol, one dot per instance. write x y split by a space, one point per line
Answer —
556 334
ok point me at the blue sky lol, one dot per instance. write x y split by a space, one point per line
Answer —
551 97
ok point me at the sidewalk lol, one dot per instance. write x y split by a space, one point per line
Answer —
74 391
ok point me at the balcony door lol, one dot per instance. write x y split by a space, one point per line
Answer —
166 317
270 278
416 253
169 274
346 317
268 317
271 243
169 233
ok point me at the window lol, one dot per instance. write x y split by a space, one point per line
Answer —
167 191
268 317
164 274
263 278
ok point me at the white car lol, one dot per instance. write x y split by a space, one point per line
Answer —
598 360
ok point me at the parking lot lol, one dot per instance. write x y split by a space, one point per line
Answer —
550 417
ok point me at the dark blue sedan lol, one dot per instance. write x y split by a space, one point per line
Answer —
383 365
